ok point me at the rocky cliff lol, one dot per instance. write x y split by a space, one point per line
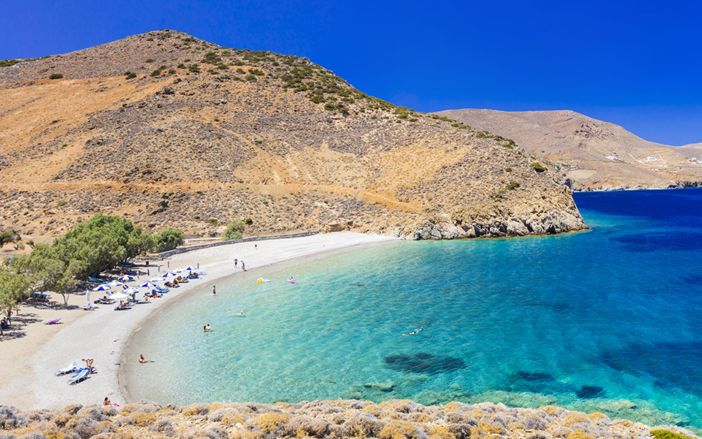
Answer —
590 153
170 130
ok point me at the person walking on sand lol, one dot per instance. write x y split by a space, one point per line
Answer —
142 360
243 265
236 262
214 290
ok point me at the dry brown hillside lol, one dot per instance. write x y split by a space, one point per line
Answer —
171 130
593 154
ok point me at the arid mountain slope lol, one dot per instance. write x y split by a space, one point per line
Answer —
593 154
171 130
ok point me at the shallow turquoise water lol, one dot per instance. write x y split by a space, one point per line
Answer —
607 320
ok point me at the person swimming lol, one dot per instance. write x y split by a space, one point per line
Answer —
414 332
292 279
207 328
240 314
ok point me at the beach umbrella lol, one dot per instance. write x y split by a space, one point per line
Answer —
119 296
102 287
115 283
126 278
132 291
148 285
168 274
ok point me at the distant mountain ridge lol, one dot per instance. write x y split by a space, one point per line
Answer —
591 153
170 130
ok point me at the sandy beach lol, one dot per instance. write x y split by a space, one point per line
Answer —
27 371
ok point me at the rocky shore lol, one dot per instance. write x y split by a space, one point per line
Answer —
321 419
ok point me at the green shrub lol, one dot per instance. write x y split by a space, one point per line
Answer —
130 75
168 239
513 185
538 167
234 230
156 72
8 62
667 434
55 76
9 235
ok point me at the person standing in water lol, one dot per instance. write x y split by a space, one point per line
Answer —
214 290
207 328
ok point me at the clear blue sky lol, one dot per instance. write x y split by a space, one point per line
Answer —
636 63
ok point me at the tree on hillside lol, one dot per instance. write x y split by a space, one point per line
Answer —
8 235
101 243
234 230
47 272
14 287
168 239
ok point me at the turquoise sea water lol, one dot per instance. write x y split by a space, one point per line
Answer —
609 320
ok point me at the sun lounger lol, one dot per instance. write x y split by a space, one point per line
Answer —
66 370
80 376
53 321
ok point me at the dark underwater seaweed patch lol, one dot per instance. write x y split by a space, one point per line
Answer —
670 363
587 392
423 363
649 242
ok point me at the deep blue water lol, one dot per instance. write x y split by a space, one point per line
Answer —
608 320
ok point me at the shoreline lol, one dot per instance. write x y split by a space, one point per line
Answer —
34 385
127 350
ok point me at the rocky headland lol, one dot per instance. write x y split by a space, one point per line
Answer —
170 130
591 154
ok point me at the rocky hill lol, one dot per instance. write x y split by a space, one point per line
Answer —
167 129
324 419
591 153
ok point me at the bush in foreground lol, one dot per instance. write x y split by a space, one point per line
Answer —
321 419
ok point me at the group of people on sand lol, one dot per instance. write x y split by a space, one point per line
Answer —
236 264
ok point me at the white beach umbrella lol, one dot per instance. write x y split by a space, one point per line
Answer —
132 291
168 274
126 278
102 287
119 296
148 285
115 283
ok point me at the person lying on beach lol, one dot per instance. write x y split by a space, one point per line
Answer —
142 360
414 332
89 363
207 328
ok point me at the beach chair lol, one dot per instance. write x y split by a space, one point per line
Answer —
68 369
80 376
53 321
